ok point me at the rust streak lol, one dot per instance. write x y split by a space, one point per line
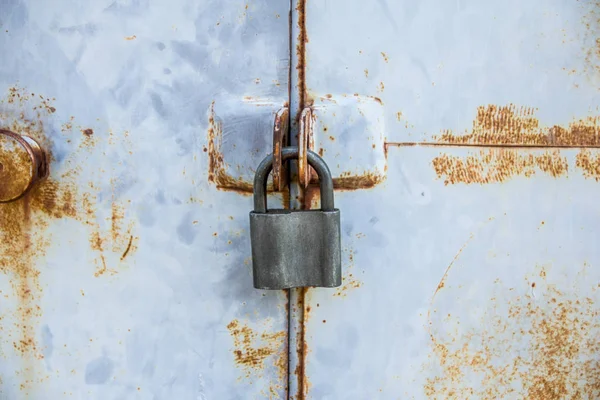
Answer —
302 39
301 346
128 248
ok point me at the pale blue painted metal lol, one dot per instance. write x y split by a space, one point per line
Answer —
459 291
155 323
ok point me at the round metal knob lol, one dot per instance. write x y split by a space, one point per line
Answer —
22 164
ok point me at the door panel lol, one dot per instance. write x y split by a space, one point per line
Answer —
126 274
472 270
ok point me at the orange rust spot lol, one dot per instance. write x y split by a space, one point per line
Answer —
533 285
348 181
366 73
385 57
133 37
88 132
497 165
331 138
252 349
514 125
399 115
558 362
381 87
591 22
589 163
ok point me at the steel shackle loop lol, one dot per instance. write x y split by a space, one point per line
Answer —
287 153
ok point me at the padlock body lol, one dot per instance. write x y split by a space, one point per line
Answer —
296 248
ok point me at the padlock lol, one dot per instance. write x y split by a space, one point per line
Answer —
295 248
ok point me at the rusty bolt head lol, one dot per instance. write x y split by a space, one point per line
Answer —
22 164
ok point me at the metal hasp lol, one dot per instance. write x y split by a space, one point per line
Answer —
295 248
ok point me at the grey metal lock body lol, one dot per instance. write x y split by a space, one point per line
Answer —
295 248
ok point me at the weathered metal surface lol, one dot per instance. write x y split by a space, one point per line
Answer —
471 272
126 273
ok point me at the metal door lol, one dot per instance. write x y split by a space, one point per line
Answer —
126 274
472 267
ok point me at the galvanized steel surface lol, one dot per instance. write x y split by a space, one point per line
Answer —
472 270
126 274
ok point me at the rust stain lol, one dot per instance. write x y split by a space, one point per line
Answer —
301 345
517 125
216 164
519 147
385 57
128 248
301 42
551 336
591 23
24 223
349 280
88 131
217 173
350 181
589 163
133 37
252 349
497 165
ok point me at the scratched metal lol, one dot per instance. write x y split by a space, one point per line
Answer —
471 272
126 273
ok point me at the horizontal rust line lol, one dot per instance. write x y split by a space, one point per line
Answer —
492 145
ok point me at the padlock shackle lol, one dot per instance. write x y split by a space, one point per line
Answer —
287 153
